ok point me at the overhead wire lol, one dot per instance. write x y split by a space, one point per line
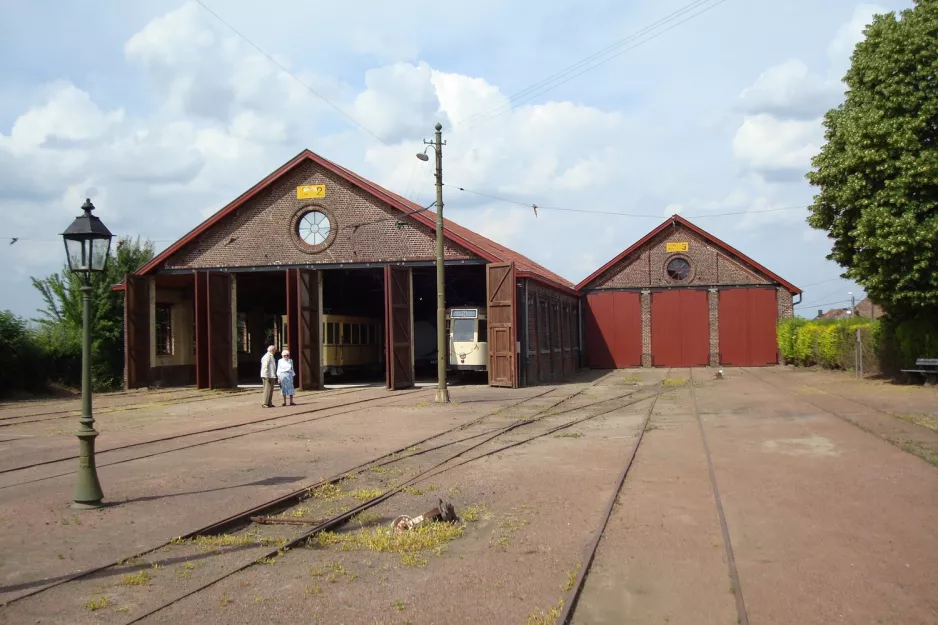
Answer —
545 85
291 74
614 213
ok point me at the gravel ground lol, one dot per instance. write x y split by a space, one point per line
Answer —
829 498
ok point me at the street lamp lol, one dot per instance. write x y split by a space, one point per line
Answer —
87 243
442 351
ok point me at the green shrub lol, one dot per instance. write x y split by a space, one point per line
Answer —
829 343
900 342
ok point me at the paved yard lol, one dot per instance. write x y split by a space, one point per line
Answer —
827 486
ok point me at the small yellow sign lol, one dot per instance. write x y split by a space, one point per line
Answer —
677 247
310 191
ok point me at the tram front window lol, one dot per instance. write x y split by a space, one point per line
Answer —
464 331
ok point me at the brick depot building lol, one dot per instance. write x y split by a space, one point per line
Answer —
680 297
314 238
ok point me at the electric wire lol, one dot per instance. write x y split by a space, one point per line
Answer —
585 61
615 213
291 74
547 88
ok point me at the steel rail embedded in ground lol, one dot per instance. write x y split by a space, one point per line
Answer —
282 501
573 594
742 616
342 518
197 433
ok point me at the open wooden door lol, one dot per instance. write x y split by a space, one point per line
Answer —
398 313
201 329
137 329
500 291
309 330
220 370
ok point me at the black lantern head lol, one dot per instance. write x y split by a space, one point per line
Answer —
87 242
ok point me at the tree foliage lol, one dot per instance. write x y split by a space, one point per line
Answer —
878 171
60 323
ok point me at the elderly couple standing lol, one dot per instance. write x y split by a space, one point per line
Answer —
273 370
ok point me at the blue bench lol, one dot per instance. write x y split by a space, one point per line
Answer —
928 368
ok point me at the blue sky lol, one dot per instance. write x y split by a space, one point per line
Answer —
162 115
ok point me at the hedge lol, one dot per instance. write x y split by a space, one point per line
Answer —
828 343
889 344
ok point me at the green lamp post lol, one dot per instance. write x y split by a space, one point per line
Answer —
87 244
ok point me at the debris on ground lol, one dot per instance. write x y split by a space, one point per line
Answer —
443 512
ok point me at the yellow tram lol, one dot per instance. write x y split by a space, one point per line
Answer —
467 332
351 344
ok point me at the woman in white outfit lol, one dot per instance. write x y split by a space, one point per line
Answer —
285 375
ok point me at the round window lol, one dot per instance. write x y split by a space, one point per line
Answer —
314 228
678 269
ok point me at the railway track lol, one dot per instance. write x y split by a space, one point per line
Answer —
390 401
104 410
283 501
572 596
450 462
455 453
11 420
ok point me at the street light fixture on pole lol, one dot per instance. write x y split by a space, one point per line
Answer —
87 244
442 351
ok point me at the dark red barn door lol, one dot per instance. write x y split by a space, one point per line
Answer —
614 330
680 329
500 289
309 330
748 319
398 319
201 329
220 352
137 329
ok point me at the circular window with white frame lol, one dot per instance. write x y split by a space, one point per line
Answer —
313 229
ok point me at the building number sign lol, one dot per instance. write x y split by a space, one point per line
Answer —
677 247
311 191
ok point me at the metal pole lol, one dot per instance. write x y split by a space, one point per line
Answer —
442 349
87 493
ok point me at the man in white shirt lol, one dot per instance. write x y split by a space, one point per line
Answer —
269 375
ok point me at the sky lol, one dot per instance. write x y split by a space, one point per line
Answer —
161 113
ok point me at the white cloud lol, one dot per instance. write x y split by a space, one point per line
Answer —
790 90
774 146
848 36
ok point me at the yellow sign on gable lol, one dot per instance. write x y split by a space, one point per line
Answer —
677 247
311 191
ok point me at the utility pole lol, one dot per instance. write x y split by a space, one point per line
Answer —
442 348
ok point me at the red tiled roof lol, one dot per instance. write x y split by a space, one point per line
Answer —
474 242
729 249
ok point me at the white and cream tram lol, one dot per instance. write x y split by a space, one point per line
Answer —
467 334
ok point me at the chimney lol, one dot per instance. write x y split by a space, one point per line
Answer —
820 313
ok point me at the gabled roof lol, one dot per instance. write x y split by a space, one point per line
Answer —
476 243
730 250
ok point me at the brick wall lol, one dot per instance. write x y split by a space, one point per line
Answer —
713 302
786 309
263 231
710 266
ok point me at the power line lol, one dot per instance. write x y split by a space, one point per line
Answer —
579 64
545 85
354 226
291 75
614 213
821 298
822 282
843 301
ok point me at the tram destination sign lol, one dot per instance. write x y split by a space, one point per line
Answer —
464 313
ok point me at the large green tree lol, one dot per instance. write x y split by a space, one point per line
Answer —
878 171
61 318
